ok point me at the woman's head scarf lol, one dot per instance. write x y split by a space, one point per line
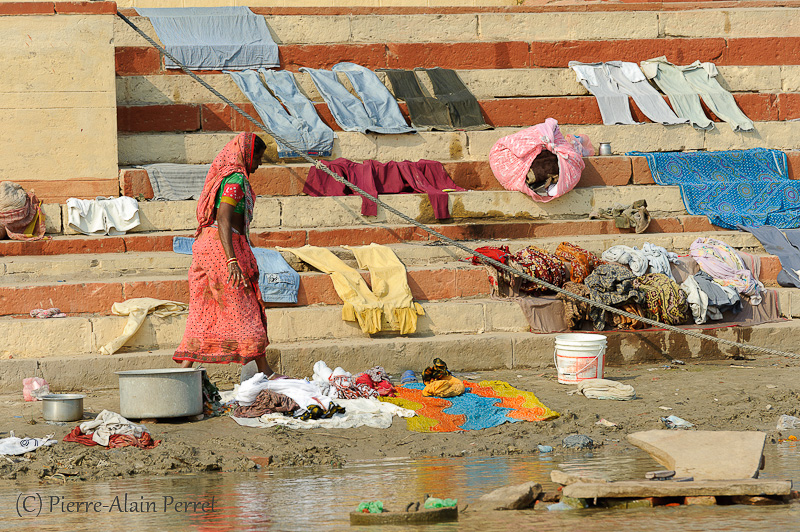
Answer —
235 157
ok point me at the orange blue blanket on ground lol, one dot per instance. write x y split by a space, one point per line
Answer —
483 405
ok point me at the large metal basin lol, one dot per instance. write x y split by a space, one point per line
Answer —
62 406
160 393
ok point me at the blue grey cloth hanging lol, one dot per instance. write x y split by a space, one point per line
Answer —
292 128
277 281
353 114
777 244
172 181
214 38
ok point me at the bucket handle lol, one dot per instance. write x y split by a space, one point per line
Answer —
558 369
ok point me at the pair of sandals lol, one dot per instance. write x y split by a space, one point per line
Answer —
634 216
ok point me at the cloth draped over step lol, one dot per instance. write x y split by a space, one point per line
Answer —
732 188
103 216
214 38
137 309
613 82
175 182
388 305
110 429
300 126
785 246
277 281
727 267
483 405
20 213
511 157
454 107
685 85
375 110
393 177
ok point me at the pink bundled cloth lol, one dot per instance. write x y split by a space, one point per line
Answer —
511 158
725 265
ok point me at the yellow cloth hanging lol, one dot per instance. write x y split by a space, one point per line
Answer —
390 302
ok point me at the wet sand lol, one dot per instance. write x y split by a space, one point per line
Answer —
724 395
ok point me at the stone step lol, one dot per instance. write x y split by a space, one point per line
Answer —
142 60
485 84
320 29
462 352
289 179
444 281
358 235
305 212
201 148
17 270
497 112
428 283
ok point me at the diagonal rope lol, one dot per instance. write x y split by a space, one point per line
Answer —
483 258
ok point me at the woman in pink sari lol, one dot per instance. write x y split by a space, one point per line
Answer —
226 321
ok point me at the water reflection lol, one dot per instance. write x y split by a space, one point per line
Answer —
320 499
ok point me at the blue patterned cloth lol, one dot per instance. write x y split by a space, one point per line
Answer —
738 187
479 412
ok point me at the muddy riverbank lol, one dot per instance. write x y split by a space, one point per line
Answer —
740 395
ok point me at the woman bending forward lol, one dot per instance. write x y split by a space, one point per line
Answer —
226 321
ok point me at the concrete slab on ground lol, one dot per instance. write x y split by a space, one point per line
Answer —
668 488
705 454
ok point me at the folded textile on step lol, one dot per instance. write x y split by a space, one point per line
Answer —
389 306
137 309
20 213
358 413
726 266
214 38
277 281
635 259
110 429
103 216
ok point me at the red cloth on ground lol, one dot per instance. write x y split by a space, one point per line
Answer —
116 440
383 387
393 177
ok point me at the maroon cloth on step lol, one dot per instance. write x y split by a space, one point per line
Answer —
376 178
116 440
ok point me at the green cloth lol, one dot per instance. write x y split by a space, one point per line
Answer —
372 507
440 503
233 179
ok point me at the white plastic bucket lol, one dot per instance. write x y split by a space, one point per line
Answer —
579 357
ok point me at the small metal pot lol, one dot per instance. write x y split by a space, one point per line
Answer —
605 148
62 406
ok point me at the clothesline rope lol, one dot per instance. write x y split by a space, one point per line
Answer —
483 258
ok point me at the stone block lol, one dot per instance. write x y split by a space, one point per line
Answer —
52 218
336 211
453 318
775 135
166 216
698 453
425 145
505 316
703 500
534 351
124 35
668 488
517 497
414 28
317 29
750 78
568 26
783 22
25 338
661 201
196 148
790 78
160 89
469 55
356 146
516 83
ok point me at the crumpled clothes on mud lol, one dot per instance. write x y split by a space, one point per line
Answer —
358 413
110 429
606 389
634 215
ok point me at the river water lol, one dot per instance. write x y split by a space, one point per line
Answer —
319 500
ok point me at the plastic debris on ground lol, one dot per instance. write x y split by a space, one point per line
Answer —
788 422
606 423
16 446
33 388
432 502
674 422
577 441
372 507
545 448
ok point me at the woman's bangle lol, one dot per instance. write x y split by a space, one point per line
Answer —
231 260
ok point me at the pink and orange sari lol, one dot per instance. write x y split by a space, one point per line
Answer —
225 324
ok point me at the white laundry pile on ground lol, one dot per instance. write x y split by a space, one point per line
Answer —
358 413
107 424
103 216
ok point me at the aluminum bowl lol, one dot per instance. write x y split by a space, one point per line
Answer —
62 406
